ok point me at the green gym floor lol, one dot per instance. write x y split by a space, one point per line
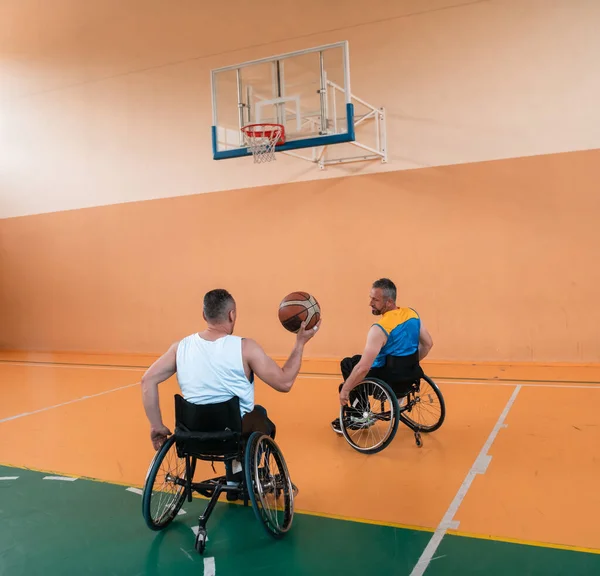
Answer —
508 485
56 527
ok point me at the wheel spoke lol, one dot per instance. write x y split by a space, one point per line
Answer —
271 487
166 482
426 408
370 423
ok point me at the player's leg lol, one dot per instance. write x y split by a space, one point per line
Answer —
346 365
258 421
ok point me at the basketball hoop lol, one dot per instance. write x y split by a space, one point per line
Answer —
261 139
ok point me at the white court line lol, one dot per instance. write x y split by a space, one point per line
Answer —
65 478
209 567
512 384
195 530
77 366
141 493
8 477
67 403
479 467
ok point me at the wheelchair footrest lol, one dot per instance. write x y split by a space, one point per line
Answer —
207 487
213 481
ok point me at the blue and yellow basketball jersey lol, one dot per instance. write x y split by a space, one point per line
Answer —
402 327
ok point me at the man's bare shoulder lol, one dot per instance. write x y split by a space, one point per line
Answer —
249 347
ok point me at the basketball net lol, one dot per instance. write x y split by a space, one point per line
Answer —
261 140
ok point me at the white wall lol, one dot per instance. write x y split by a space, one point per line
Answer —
105 102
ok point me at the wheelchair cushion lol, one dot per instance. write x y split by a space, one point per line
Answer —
208 430
404 371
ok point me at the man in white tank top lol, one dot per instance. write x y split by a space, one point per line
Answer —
214 366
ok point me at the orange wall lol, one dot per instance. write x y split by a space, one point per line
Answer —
498 257
114 219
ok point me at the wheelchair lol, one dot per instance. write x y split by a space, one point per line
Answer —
213 432
376 408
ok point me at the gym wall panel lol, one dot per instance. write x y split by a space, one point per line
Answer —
484 214
498 257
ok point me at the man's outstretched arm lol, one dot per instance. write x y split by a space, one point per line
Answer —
280 378
376 339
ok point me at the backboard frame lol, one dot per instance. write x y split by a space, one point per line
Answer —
313 142
320 137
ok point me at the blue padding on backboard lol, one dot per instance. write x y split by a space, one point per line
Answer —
350 114
296 145
214 139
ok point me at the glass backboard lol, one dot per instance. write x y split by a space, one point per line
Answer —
307 92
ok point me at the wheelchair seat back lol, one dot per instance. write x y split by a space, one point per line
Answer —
405 370
208 431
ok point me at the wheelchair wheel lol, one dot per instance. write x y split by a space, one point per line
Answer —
269 484
370 423
164 489
425 407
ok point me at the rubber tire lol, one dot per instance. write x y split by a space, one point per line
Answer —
249 476
150 478
395 415
438 393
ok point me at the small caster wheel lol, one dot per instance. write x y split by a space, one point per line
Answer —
200 541
418 440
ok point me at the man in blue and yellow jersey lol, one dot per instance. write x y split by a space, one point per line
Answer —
395 345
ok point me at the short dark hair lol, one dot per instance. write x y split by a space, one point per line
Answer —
217 304
387 286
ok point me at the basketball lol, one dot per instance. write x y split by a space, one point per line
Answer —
297 307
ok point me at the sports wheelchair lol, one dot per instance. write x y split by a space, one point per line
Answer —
213 432
371 421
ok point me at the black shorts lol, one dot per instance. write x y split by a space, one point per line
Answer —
399 374
258 421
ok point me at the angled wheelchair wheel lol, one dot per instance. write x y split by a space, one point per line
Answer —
425 408
269 484
164 489
370 423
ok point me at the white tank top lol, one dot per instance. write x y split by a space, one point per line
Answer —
211 372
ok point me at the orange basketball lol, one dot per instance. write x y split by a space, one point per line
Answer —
297 307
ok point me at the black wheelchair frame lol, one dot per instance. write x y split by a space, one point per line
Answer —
362 417
214 433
